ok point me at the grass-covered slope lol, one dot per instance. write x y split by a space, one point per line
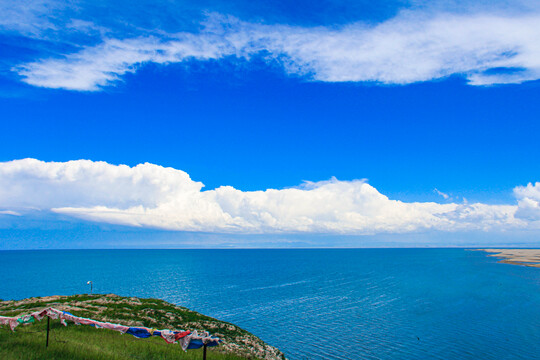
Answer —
85 342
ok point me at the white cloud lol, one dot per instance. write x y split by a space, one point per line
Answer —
149 195
529 202
104 64
444 195
412 47
9 212
28 17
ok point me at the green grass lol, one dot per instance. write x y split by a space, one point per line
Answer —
84 342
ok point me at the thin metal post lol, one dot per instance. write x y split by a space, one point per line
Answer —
204 352
48 326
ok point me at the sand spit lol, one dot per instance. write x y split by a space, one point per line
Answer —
525 257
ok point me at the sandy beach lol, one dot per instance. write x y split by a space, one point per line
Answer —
525 257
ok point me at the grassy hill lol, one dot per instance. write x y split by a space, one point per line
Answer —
85 342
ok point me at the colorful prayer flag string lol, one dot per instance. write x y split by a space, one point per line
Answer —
186 339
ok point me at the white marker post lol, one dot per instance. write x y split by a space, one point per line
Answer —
91 286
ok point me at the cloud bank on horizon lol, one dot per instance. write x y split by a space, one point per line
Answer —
152 196
483 46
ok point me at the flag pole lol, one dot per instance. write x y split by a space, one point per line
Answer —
48 326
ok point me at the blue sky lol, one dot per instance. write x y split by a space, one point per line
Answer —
430 103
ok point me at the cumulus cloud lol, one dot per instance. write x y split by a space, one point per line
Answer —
412 47
529 202
152 196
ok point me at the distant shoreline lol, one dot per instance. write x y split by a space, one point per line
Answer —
523 257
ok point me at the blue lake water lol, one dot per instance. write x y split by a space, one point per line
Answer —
318 304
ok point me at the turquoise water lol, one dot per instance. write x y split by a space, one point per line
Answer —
318 304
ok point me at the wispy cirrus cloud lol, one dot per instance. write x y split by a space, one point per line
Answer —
412 47
444 195
103 65
152 196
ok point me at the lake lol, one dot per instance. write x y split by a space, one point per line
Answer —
317 303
